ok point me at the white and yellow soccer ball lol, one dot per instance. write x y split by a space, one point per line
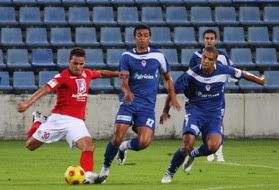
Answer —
74 175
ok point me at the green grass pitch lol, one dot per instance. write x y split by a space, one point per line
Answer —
249 165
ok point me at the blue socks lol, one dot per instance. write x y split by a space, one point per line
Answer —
110 153
201 151
134 144
177 160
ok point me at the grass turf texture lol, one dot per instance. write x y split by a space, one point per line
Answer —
249 165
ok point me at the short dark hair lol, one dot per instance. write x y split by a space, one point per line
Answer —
210 31
77 51
211 49
142 26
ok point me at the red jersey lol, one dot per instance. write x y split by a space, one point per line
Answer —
72 92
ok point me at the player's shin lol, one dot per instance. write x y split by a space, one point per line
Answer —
176 162
33 129
87 160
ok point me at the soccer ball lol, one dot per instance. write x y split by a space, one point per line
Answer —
74 175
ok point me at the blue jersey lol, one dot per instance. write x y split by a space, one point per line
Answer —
222 58
205 91
145 69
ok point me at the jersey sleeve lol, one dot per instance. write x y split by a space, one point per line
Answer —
234 72
181 83
55 82
95 74
164 64
123 63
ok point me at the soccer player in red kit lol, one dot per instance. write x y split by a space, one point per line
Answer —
67 118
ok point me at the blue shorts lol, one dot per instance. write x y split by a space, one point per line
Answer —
136 115
197 121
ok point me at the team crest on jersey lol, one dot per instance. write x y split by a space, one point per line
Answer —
143 63
207 87
81 86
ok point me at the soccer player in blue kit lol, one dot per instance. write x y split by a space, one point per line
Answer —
210 39
138 98
203 85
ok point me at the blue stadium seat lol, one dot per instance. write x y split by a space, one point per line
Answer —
61 37
116 83
30 16
247 85
54 16
86 36
6 2
49 2
249 15
266 57
271 15
45 76
231 86
36 37
200 19
271 80
129 36
5 81
73 2
113 57
176 74
17 58
127 16
100 84
275 35
184 36
220 1
186 55
140 2
24 80
103 16
122 2
94 58
161 36
258 36
176 16
98 2
79 16
7 16
2 65
242 57
171 2
234 36
111 36
171 56
11 37
24 2
204 28
225 15
152 15
191 2
63 58
42 58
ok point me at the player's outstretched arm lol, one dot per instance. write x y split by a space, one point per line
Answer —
165 115
24 105
257 79
173 101
111 74
128 95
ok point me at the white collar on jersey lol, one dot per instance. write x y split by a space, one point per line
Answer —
135 51
214 66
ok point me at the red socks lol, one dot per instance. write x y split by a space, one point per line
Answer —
87 160
33 129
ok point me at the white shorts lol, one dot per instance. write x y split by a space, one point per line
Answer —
59 126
